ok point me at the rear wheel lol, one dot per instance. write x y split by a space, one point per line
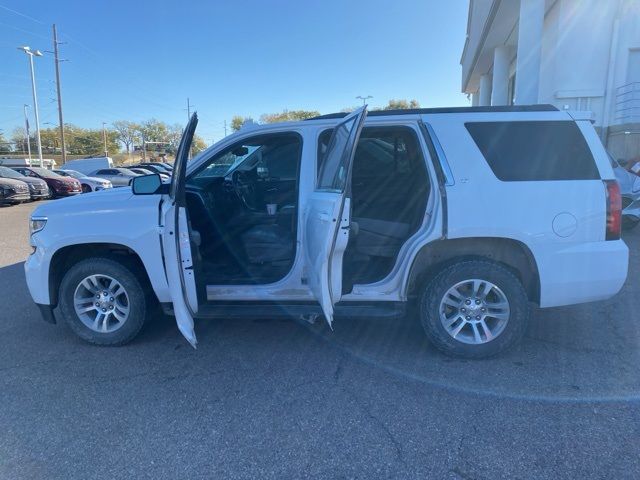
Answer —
103 301
474 309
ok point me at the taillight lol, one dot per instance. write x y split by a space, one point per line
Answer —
614 210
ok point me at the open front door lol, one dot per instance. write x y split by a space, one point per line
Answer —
328 214
177 241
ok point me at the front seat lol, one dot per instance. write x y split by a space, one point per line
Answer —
272 242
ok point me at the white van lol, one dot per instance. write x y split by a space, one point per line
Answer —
88 165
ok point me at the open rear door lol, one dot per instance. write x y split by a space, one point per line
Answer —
328 214
177 241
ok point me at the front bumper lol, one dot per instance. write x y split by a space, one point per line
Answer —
14 198
67 193
40 193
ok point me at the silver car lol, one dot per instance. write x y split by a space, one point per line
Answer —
630 190
119 177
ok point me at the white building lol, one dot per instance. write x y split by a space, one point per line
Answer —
574 54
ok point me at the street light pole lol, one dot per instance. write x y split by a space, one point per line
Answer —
104 138
26 127
364 99
37 53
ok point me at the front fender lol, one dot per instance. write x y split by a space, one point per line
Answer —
131 222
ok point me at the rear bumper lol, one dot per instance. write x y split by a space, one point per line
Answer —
581 273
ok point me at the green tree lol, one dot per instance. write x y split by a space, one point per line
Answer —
288 116
5 145
237 121
198 144
127 133
19 139
401 104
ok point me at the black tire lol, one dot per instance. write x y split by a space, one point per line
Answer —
474 269
86 188
123 272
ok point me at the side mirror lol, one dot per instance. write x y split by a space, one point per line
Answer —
146 184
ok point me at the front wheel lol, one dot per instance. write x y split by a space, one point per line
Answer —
474 309
103 301
86 188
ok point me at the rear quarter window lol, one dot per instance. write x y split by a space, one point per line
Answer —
529 151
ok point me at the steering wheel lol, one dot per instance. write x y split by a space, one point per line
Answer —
244 188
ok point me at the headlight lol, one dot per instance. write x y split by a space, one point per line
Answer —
36 224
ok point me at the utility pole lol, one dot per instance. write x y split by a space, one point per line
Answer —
104 138
189 110
26 127
57 62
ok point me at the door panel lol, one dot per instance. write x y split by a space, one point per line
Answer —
177 243
327 215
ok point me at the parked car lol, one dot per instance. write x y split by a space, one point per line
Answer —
150 169
58 185
630 190
89 184
88 165
13 191
468 214
156 167
38 188
119 177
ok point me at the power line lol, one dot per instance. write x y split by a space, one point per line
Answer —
22 14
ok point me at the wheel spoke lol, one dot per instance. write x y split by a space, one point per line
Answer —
449 322
120 314
476 333
451 302
487 333
455 293
456 331
85 309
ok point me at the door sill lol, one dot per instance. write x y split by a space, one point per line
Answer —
222 310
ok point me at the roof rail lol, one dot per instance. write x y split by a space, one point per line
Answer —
424 111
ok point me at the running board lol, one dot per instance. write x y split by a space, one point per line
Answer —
224 310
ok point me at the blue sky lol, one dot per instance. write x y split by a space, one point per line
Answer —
140 59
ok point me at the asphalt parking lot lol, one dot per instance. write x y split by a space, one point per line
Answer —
280 399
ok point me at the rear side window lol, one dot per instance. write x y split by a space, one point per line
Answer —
525 151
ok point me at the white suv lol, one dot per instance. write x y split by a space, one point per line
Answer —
470 214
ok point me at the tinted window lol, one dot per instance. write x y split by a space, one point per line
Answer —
522 151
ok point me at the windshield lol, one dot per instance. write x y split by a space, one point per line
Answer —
70 173
229 161
43 172
6 172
